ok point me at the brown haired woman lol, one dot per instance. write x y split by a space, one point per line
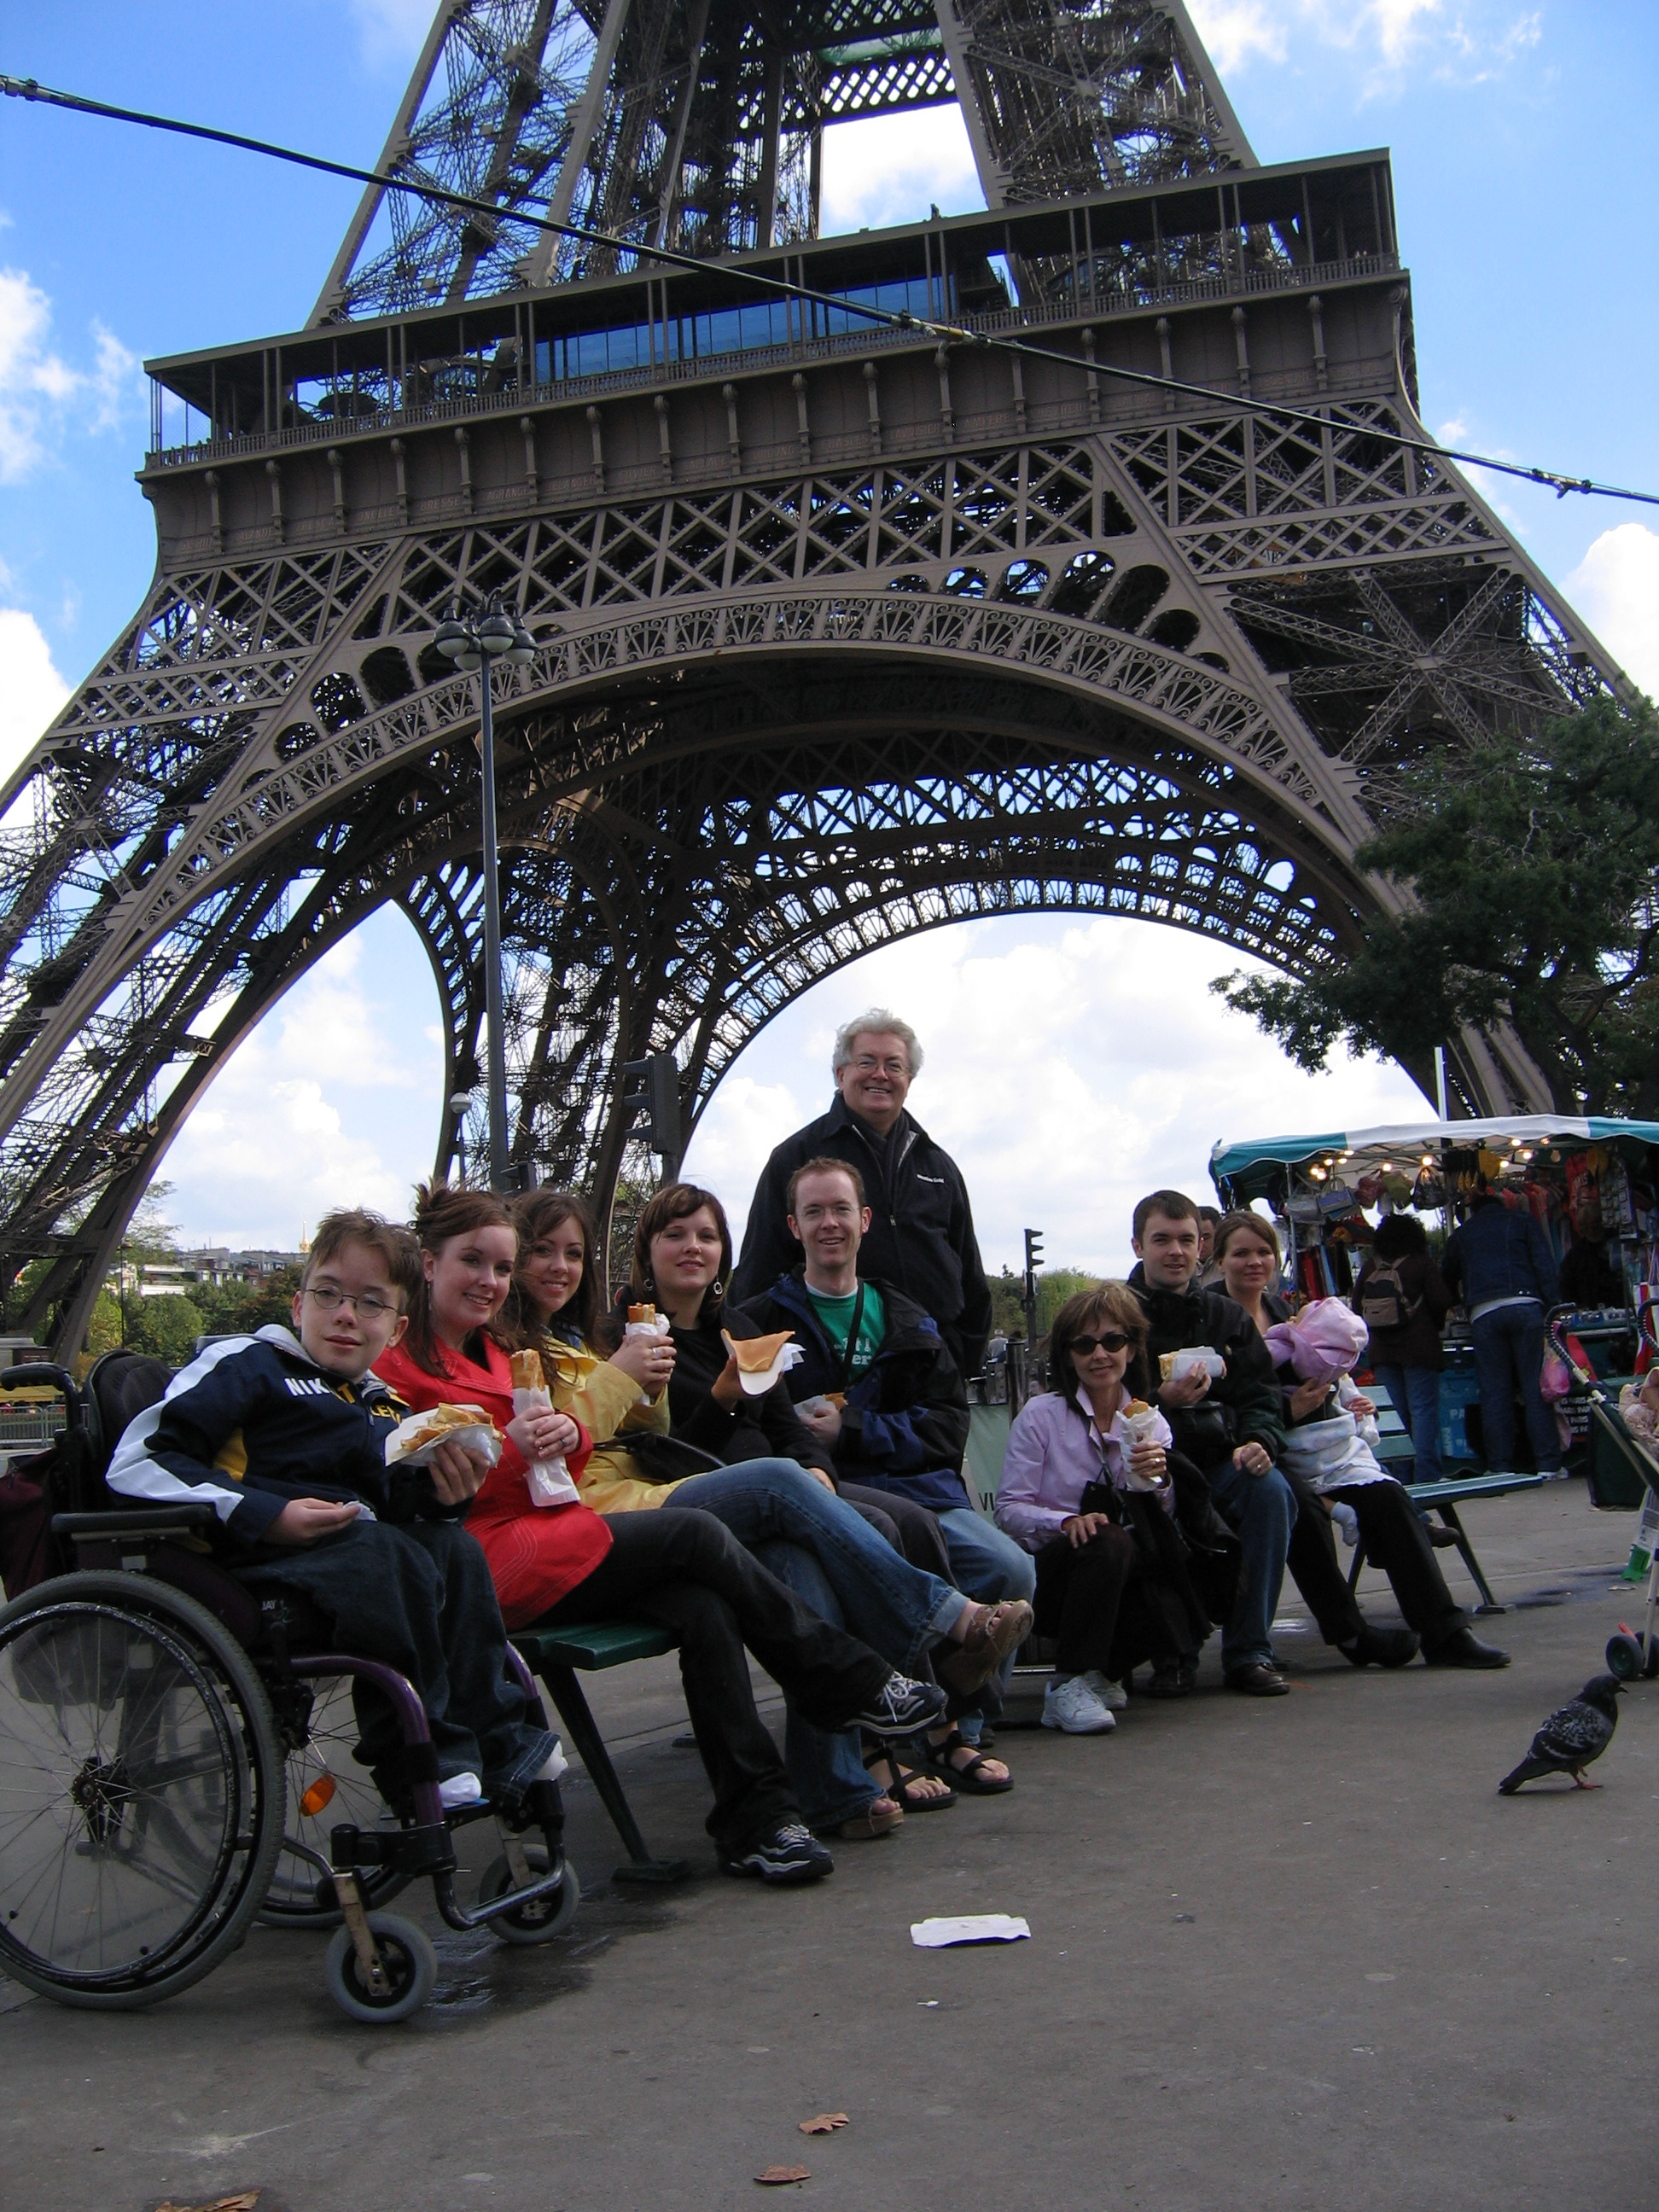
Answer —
1089 1484
564 1565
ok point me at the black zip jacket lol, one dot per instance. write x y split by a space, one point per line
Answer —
1245 1406
765 1427
253 1423
904 1425
921 1228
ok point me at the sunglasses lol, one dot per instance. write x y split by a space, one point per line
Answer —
1114 1340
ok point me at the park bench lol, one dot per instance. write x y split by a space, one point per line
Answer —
557 1655
1441 1498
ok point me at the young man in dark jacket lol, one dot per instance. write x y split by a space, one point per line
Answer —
921 1227
880 1390
284 1436
1231 1427
1500 1264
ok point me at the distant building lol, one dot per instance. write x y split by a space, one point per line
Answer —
213 1266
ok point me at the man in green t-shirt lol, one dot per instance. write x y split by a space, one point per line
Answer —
877 1384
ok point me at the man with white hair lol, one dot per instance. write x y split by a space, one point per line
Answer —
921 1228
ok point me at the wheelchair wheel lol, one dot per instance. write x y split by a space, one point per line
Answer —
411 1970
542 1919
326 1788
141 1791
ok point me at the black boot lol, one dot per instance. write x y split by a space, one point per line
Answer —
1381 1647
1463 1648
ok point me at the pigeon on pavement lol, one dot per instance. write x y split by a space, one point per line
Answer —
1571 1738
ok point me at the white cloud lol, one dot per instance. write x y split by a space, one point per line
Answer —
890 168
332 1100
1616 587
37 384
391 30
1468 43
31 689
1071 1066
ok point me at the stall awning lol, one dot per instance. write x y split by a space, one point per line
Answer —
1252 1169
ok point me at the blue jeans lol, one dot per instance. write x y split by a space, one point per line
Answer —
837 1564
1261 1511
1415 1395
989 1566
1508 1343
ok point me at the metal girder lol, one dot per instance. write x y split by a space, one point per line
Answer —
664 120
836 638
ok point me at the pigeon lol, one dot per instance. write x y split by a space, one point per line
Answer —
1571 1738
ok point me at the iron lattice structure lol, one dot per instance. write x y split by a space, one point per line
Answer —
842 633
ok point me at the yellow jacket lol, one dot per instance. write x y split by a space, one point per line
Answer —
607 1403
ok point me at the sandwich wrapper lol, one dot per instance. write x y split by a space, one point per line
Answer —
756 1385
1140 1423
548 1480
657 1326
1191 1356
409 1446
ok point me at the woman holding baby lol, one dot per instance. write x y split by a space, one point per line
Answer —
1247 1250
1116 1522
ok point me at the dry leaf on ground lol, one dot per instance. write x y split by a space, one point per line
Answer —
824 2124
244 2200
774 2176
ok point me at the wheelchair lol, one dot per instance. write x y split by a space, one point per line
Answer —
176 1758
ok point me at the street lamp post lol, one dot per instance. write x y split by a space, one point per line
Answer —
476 644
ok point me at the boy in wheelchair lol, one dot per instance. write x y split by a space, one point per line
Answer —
285 1436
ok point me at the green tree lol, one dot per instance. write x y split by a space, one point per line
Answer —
1534 870
165 1327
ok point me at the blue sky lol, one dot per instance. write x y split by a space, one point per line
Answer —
1522 144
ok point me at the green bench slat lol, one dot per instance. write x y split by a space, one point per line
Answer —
601 1643
1469 1486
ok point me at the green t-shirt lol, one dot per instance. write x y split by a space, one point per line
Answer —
837 1315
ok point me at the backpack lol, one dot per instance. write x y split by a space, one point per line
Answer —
1382 1300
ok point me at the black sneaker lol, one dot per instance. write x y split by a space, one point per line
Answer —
901 1708
793 1854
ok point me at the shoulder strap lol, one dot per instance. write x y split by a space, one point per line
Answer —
850 1348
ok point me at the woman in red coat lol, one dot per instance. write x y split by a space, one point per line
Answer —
563 1564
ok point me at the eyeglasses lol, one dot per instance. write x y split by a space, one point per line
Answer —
865 1064
368 1305
1114 1340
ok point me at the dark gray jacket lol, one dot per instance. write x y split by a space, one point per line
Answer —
920 1236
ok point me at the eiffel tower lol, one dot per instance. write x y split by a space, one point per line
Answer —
843 632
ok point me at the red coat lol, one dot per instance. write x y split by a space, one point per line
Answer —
537 1554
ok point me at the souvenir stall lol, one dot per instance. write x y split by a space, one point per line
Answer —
1591 1183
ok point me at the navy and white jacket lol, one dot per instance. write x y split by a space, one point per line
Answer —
253 1422
904 1425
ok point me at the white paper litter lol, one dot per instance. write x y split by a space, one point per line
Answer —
969 1928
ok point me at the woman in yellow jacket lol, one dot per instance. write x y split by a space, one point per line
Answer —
618 1400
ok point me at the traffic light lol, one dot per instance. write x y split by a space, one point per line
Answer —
651 1088
1033 1259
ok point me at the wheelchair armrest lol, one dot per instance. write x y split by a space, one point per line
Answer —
187 1518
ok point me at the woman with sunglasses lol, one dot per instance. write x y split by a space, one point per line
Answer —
1092 1493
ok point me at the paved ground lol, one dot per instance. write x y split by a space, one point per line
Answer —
1286 1954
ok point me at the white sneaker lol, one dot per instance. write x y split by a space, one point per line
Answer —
1074 1708
1112 1695
457 1789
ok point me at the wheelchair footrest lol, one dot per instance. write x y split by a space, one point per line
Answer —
410 1852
